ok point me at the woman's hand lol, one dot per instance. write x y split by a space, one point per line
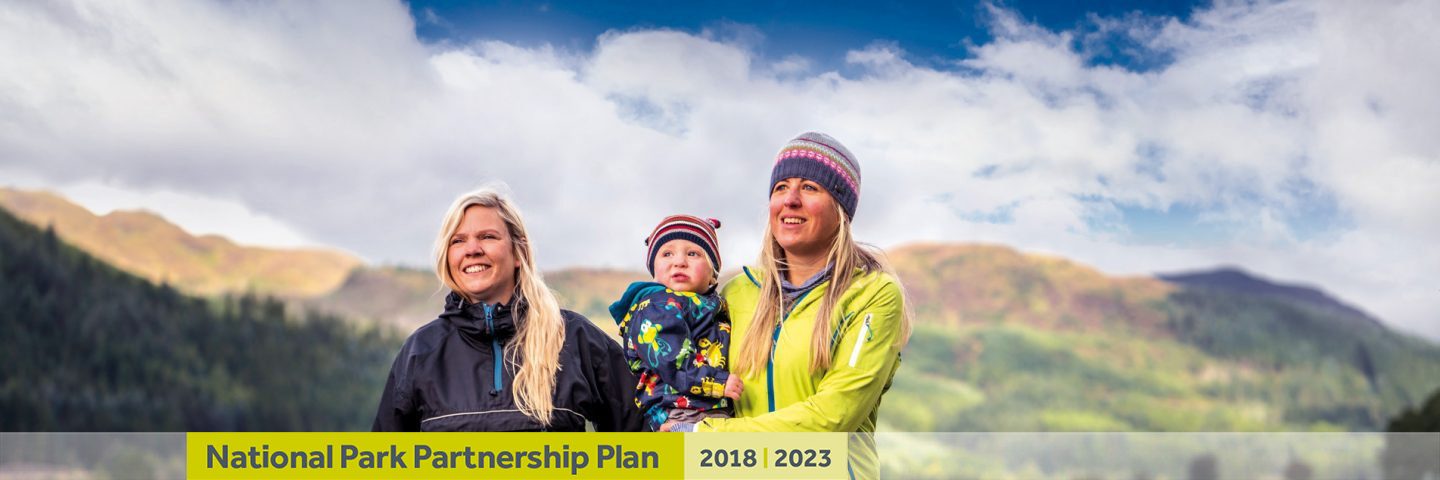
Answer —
733 387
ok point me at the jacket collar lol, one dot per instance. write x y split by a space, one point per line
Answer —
633 293
471 320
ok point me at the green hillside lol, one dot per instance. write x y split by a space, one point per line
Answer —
394 297
1013 342
1324 364
90 348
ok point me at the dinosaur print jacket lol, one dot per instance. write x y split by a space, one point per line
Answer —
677 343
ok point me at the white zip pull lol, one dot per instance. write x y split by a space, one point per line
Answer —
860 342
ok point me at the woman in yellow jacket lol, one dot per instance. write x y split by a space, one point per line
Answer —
822 320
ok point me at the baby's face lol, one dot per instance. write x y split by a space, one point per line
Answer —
681 265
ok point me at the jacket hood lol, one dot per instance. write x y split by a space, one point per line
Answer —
470 319
633 293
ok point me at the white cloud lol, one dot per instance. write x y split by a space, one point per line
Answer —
200 215
338 122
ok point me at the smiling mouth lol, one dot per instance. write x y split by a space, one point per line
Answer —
476 268
792 220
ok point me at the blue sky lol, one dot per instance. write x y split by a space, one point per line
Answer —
932 33
937 35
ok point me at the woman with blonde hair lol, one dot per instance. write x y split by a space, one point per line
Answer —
822 320
503 356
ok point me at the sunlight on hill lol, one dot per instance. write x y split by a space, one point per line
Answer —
155 249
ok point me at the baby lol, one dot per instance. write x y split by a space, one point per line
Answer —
676 330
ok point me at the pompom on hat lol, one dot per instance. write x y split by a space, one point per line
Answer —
819 158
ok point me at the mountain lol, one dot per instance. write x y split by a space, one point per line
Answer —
954 285
399 297
88 347
407 298
152 248
1236 280
1012 341
590 291
1006 341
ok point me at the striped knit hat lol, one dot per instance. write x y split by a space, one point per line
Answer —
684 227
821 159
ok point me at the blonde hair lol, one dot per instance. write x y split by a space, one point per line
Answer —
849 260
541 332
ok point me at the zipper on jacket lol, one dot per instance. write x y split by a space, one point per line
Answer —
775 342
860 342
494 348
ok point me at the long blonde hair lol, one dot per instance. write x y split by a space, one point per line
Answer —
849 260
541 332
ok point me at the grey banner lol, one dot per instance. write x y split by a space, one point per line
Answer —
92 455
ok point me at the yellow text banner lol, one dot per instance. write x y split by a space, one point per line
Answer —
434 455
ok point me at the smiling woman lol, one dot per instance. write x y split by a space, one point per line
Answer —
477 247
822 319
502 356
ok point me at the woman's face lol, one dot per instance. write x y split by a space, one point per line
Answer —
803 217
482 256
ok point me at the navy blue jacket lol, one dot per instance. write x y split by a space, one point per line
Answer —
452 375
678 343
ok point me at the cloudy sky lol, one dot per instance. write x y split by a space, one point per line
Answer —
1297 140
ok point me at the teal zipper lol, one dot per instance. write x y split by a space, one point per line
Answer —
774 343
495 351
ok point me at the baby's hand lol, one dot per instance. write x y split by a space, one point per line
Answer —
733 387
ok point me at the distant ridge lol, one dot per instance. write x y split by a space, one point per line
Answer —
1236 280
151 247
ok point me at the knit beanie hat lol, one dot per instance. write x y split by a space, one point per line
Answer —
821 159
684 227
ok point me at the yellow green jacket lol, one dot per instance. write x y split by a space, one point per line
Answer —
785 396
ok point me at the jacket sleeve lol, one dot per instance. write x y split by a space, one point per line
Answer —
677 348
616 410
398 411
722 335
864 357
